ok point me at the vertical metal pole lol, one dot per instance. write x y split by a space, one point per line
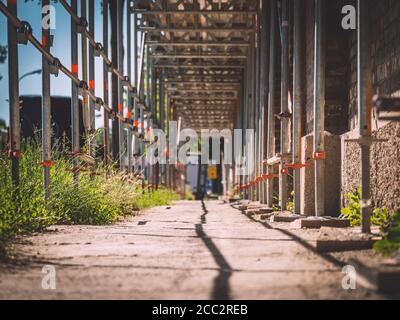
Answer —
120 42
250 111
114 79
256 108
283 187
74 91
15 135
364 112
92 115
297 99
46 109
135 65
85 72
263 58
105 81
271 101
162 119
245 178
319 106
129 71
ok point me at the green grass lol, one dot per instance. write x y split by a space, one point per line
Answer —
352 212
160 197
95 200
390 244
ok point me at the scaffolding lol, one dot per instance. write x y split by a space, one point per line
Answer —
206 64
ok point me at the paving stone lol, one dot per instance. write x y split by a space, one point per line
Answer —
382 277
285 216
266 210
345 239
265 216
318 222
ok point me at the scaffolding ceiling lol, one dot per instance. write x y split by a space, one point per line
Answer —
200 48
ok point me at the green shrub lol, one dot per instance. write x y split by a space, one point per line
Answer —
290 202
352 212
95 199
390 243
160 197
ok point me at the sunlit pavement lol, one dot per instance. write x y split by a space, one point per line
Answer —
192 250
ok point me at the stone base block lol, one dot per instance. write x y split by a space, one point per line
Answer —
332 176
285 216
383 278
318 222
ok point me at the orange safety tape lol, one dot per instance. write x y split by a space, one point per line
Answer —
44 41
14 154
91 84
320 155
47 164
74 69
120 107
297 165
270 176
129 115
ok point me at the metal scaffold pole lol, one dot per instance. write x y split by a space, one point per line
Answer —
319 108
129 72
271 101
15 135
105 81
84 47
256 103
74 91
46 105
283 177
364 112
135 66
297 99
114 80
263 61
121 131
92 113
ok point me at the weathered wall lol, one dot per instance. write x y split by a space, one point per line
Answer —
341 95
385 60
385 166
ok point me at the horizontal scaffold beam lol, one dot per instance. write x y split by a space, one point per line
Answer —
197 66
197 56
203 98
196 29
194 12
198 44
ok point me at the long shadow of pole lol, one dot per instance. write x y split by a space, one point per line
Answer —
221 290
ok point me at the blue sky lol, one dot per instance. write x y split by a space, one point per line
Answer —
30 59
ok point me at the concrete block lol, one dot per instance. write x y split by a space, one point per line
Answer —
265 216
325 245
252 212
285 216
332 176
383 278
266 210
318 222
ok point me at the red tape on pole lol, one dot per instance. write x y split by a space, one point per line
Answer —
74 69
14 154
321 155
47 164
91 84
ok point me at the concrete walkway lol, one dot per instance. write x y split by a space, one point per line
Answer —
193 250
